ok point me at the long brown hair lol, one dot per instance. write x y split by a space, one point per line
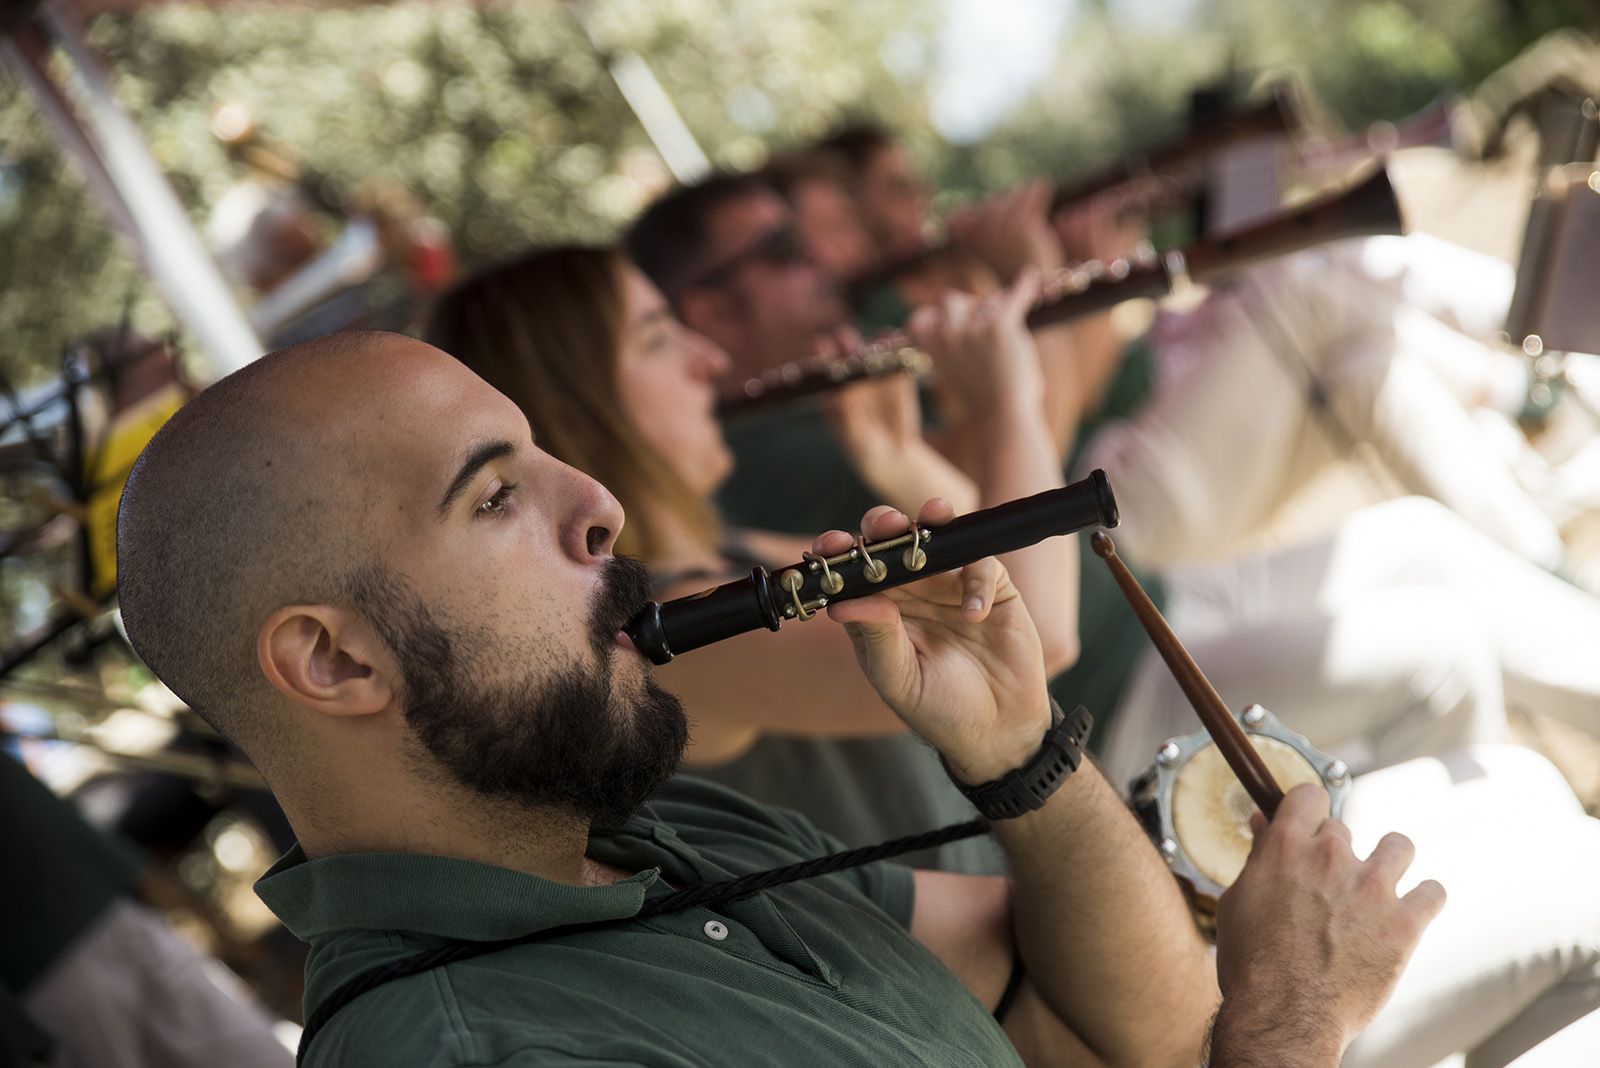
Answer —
546 329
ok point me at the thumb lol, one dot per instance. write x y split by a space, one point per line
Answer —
876 633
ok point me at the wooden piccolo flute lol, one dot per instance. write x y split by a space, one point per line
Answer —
764 601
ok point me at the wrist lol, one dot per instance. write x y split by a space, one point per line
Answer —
998 754
1251 1032
1026 786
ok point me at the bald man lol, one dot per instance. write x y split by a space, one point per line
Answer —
352 559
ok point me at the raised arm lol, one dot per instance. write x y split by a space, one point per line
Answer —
1113 960
983 352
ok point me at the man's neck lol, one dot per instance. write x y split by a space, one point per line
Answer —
404 816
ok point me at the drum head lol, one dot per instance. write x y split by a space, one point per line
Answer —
1211 810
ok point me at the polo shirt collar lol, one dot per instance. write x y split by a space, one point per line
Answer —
402 891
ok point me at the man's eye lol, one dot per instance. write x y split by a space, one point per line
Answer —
496 504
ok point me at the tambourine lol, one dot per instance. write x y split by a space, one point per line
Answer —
1197 813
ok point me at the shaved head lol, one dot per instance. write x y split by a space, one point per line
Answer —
351 553
249 498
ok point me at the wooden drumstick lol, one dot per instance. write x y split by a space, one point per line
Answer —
1231 740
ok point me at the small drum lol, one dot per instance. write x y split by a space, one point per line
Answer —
1198 814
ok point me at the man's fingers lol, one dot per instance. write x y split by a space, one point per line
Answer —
832 542
1425 901
925 322
1335 829
884 522
1390 858
978 583
1302 809
1022 293
874 617
935 512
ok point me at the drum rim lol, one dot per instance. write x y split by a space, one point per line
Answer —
1169 765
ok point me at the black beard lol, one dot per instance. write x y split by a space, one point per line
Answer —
568 742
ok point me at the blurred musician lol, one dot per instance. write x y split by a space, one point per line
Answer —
1210 423
614 385
1397 634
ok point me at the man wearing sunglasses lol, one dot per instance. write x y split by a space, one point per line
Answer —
725 255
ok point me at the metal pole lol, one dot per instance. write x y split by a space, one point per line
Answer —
662 121
177 261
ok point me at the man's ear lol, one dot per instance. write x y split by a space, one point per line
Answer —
327 659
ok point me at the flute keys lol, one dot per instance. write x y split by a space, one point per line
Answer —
791 580
914 558
874 571
831 581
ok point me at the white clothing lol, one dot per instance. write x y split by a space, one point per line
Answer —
129 994
1404 633
1514 957
1229 434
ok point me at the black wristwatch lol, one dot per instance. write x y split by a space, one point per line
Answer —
1027 788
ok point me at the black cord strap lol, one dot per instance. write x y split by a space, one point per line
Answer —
689 897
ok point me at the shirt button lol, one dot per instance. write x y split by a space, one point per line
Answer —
716 931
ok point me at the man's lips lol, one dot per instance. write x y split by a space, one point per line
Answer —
626 642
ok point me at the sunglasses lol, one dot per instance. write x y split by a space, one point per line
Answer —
778 247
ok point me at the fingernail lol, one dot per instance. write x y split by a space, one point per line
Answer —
974 604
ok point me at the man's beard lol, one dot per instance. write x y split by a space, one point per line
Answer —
567 742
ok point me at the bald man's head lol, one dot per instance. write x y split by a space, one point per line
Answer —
239 505
360 533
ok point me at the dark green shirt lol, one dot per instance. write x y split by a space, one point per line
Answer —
822 972
790 474
863 791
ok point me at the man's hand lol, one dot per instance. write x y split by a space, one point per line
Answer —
1011 232
1311 940
956 655
1099 229
982 349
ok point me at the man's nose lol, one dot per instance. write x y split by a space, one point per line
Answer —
595 519
711 361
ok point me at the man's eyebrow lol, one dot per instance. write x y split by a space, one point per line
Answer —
487 453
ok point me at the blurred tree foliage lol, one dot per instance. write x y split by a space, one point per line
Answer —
504 121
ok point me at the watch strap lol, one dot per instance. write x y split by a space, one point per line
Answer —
1027 788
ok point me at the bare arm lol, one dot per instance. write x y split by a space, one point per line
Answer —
1114 965
983 350
879 424
1092 905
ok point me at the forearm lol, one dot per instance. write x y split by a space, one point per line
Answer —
1016 458
1103 930
914 474
1062 404
1099 345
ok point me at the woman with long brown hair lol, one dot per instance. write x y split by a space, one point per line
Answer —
612 384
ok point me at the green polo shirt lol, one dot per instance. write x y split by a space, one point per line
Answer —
818 972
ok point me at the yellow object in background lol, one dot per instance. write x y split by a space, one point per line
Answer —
130 431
